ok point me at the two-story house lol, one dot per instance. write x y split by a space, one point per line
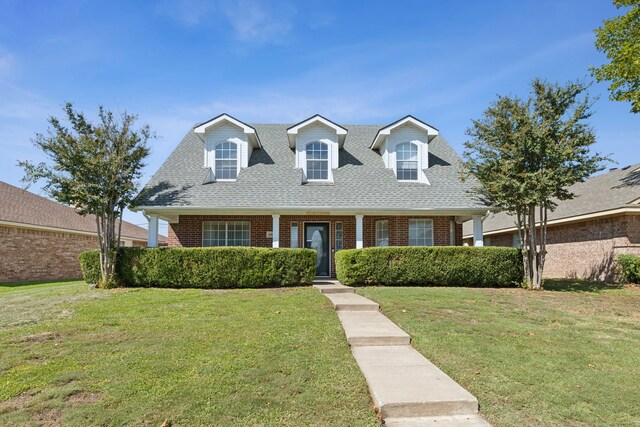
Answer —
313 184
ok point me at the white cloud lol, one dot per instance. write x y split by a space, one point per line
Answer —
259 21
252 21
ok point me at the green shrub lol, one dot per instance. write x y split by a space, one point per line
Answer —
216 268
629 267
90 265
438 266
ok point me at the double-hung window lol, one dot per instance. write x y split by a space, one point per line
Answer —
407 161
420 232
382 233
226 233
317 161
226 167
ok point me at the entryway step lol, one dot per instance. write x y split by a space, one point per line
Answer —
333 288
371 328
454 421
352 302
403 384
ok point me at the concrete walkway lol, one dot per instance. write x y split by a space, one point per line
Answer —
407 390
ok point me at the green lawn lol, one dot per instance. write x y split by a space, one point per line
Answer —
569 356
74 356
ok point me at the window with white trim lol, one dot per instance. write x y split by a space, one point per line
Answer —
317 161
226 233
407 161
294 235
382 232
339 236
420 232
226 163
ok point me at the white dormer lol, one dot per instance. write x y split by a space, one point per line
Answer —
317 142
404 147
228 144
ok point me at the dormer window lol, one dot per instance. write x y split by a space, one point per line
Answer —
317 142
226 161
317 161
404 148
407 161
228 144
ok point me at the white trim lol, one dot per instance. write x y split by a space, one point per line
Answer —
246 129
60 230
294 243
292 132
226 231
433 235
309 210
386 131
377 229
213 177
359 233
478 239
305 168
585 217
152 239
275 229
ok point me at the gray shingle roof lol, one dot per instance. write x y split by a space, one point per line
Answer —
20 206
616 189
271 181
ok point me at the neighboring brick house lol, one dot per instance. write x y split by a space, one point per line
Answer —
314 184
585 234
41 239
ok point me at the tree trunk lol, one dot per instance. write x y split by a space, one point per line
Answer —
543 242
524 241
536 279
108 248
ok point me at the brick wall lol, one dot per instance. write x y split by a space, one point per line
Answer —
188 231
41 255
586 249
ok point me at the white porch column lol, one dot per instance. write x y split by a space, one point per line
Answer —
152 240
276 230
359 242
478 239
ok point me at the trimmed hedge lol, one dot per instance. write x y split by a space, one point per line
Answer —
433 266
215 268
629 267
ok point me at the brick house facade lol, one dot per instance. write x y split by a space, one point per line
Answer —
584 249
584 234
188 230
233 184
41 239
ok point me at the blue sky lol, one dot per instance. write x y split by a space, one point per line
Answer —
178 62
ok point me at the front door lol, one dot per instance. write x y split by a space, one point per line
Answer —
316 237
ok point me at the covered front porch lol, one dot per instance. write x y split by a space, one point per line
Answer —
325 232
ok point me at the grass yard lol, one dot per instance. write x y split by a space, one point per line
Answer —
568 356
74 356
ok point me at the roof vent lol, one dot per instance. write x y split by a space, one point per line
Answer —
612 169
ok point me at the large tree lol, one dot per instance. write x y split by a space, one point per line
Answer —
527 153
94 168
619 39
